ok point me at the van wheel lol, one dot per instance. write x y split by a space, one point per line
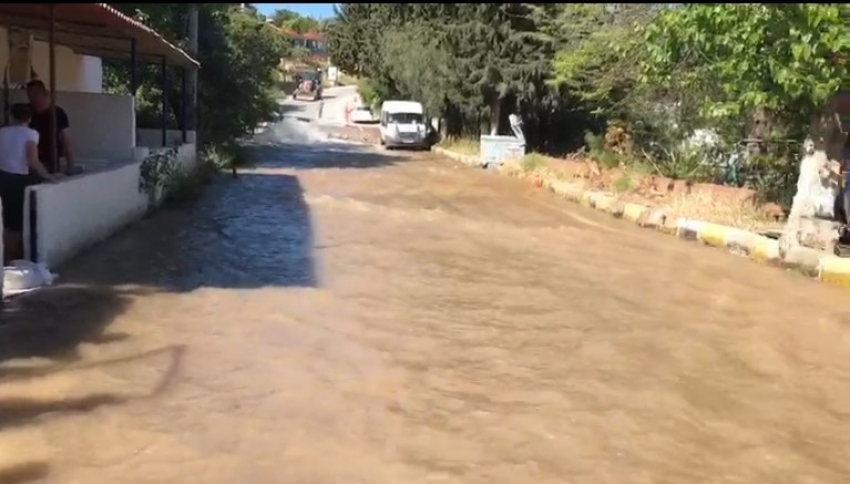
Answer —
383 143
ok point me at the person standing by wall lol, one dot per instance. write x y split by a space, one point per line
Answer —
39 98
18 160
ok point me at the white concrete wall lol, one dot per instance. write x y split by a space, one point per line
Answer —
77 212
82 210
74 72
152 138
102 125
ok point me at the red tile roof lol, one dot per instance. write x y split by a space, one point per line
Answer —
93 29
313 36
295 35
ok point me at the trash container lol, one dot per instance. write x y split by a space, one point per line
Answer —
496 149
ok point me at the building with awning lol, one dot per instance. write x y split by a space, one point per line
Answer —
64 45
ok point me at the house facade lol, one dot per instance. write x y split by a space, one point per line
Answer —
314 43
66 217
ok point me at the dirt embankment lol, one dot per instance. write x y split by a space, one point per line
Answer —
732 206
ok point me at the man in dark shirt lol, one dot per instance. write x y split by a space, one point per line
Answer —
40 101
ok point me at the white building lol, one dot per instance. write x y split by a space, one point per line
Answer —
64 218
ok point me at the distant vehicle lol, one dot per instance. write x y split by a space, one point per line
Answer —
403 124
309 86
362 114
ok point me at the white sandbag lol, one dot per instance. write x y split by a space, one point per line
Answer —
24 275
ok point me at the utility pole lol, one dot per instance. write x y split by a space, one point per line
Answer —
192 83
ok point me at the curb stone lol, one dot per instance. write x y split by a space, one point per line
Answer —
834 270
827 268
634 212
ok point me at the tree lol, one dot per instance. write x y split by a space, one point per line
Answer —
599 56
499 58
783 59
237 55
489 54
287 19
346 41
419 63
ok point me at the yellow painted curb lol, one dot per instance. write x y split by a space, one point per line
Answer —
574 193
634 211
834 270
764 249
830 269
606 202
713 234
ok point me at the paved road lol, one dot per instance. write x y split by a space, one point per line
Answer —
339 315
329 111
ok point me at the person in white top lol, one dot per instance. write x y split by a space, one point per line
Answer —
18 160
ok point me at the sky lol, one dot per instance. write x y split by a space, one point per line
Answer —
316 10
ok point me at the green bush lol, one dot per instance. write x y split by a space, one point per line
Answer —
532 162
622 184
368 94
595 146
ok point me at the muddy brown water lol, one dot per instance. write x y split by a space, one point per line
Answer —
341 316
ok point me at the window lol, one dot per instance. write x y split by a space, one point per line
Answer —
405 118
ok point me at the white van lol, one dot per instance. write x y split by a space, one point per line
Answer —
403 124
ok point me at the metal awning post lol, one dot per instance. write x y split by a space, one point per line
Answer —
134 81
163 82
184 102
54 147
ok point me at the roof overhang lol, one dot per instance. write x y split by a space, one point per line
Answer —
94 29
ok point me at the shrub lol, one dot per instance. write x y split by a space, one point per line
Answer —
532 162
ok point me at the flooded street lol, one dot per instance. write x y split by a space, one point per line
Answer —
345 315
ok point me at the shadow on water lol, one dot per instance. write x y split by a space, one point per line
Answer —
252 232
33 471
22 410
54 321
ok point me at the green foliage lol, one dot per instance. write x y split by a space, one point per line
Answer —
681 163
227 156
777 56
288 19
595 146
648 75
465 146
157 172
622 183
532 162
236 84
599 55
368 94
419 64
468 62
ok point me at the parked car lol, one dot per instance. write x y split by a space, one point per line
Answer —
362 114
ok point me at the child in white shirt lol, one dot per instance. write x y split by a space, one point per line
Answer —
18 159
